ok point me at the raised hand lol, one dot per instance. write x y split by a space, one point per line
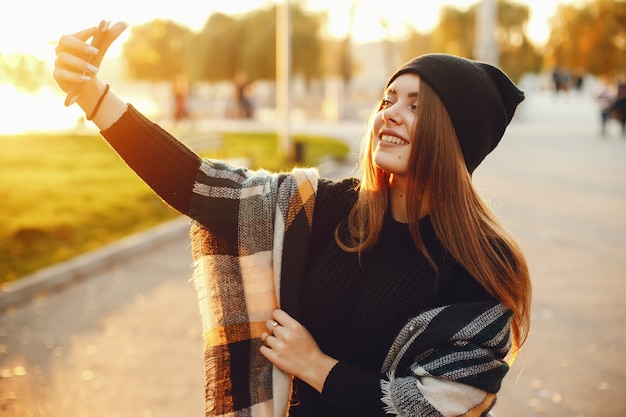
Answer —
77 62
75 71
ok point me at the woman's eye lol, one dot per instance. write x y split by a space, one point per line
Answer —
385 103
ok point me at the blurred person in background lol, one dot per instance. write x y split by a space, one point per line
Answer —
180 91
243 96
612 103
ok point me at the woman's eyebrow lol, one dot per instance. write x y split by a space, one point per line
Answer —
412 94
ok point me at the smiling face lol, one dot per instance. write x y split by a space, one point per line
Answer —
394 125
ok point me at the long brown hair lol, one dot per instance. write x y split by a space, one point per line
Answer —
465 225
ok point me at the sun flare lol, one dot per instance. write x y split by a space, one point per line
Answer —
42 111
34 26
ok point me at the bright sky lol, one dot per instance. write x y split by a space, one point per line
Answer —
32 26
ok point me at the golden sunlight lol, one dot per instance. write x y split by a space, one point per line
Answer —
43 111
34 26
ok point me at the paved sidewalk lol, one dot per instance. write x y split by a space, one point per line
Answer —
127 341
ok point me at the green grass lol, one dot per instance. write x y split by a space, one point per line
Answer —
64 195
261 150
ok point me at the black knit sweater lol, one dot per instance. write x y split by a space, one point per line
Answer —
353 310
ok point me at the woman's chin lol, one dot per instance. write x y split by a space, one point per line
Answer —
392 164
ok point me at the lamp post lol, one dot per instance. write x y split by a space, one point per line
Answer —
283 77
486 46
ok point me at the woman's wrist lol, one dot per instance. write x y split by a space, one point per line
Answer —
90 94
316 375
94 112
101 104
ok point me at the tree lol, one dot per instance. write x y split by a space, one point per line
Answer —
26 72
306 44
158 51
590 37
344 60
517 54
247 42
258 47
416 44
455 32
455 35
218 48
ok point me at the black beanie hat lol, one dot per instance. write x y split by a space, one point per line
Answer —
480 99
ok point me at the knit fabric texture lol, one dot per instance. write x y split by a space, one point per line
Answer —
249 240
448 361
480 99
250 244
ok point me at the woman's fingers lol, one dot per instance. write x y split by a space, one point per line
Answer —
84 34
73 54
111 34
74 63
70 69
116 30
76 44
283 318
77 61
65 78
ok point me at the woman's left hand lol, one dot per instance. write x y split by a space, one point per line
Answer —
290 347
78 62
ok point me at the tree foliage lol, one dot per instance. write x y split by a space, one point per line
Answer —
455 34
248 43
417 43
26 72
518 55
258 45
217 48
227 44
306 43
589 37
158 50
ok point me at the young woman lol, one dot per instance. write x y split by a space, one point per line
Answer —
396 293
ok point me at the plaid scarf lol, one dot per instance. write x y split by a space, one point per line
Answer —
252 228
448 361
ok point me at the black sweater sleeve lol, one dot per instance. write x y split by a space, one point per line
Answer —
353 390
164 163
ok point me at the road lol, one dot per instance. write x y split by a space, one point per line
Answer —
127 342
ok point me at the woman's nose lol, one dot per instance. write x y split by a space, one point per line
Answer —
390 115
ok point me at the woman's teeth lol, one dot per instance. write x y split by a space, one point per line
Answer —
392 139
